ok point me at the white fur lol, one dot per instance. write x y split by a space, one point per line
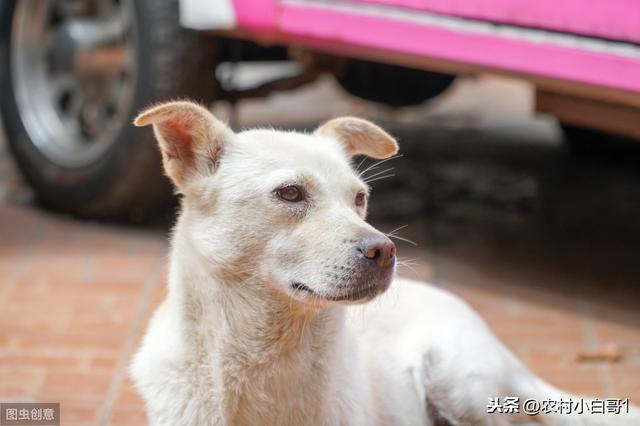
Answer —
233 345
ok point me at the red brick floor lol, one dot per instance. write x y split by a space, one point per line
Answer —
75 298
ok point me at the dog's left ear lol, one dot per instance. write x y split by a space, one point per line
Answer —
191 139
359 136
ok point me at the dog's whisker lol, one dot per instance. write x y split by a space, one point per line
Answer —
370 169
378 173
396 230
360 164
376 164
380 177
410 267
406 240
366 179
406 263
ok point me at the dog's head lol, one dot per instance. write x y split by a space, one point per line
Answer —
277 207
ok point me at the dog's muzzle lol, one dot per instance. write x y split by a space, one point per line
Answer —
369 272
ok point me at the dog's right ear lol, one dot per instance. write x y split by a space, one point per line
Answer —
191 139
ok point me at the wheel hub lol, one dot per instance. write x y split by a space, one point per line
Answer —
88 47
74 74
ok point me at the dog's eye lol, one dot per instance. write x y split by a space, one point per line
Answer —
291 193
360 200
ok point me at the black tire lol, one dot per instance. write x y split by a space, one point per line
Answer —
403 86
126 181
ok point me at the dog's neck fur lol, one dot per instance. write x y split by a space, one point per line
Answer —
255 342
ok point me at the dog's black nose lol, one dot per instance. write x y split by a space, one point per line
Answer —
378 249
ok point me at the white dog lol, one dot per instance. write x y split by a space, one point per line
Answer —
269 253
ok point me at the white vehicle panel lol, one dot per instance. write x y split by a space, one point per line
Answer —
207 14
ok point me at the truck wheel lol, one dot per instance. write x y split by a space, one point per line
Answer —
402 86
73 75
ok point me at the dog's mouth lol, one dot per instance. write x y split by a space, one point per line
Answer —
357 294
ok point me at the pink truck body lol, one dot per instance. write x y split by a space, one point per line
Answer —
411 27
570 49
